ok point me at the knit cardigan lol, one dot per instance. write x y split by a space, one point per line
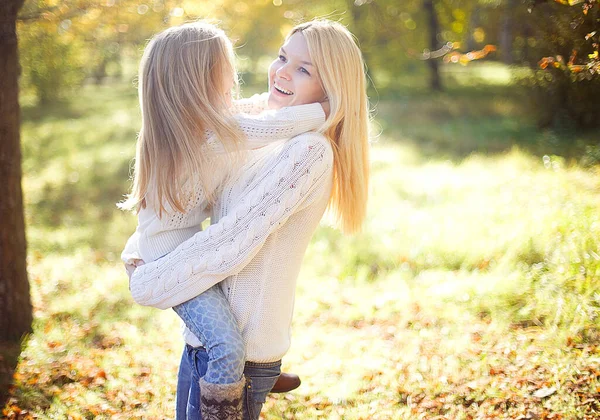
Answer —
262 224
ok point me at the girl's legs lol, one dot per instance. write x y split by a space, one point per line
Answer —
209 317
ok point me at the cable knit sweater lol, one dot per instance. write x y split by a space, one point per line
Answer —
156 236
263 223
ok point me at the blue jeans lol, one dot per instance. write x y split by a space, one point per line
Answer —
209 317
260 379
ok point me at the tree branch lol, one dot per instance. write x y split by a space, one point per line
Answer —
73 11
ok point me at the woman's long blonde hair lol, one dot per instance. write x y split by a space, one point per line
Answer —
182 77
342 71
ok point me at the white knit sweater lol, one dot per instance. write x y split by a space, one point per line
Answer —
263 223
156 236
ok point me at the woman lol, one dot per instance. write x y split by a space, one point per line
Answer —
265 216
186 78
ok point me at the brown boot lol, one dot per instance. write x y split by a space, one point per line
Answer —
221 401
286 382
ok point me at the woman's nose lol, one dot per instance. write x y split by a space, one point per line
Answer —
283 73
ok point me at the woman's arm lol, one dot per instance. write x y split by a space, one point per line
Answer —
305 163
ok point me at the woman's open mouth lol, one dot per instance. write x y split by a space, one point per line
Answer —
282 90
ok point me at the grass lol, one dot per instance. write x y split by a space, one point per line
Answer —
473 292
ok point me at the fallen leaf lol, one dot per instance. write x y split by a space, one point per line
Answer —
544 392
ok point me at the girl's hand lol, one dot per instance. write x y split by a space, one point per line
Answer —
130 268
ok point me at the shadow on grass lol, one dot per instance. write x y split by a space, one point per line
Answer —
61 110
464 120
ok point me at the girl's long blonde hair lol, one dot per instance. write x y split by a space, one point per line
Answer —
182 80
342 71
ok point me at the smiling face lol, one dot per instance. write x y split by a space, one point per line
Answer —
293 79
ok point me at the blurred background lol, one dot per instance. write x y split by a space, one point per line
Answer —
408 46
473 291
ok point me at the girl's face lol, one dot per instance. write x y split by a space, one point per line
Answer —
293 79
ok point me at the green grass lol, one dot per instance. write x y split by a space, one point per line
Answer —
474 285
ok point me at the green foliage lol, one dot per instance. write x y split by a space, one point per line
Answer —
565 88
392 36
564 100
56 39
50 62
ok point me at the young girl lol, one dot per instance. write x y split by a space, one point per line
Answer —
188 145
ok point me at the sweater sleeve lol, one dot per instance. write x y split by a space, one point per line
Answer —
282 124
252 105
156 235
274 125
226 247
131 251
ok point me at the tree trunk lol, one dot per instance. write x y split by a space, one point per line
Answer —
506 32
357 27
472 44
434 45
100 72
15 304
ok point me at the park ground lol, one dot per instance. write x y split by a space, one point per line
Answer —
473 292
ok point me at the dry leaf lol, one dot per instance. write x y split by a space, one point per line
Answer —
544 392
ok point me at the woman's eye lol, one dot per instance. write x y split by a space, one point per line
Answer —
282 58
303 70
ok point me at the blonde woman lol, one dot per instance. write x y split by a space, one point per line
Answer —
266 215
188 145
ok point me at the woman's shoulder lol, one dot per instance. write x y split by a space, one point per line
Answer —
310 138
312 143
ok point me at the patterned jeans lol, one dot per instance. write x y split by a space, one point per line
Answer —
260 378
209 317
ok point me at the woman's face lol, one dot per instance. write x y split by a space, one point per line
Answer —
293 79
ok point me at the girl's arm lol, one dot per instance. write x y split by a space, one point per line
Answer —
274 125
282 124
131 252
225 248
157 236
253 105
